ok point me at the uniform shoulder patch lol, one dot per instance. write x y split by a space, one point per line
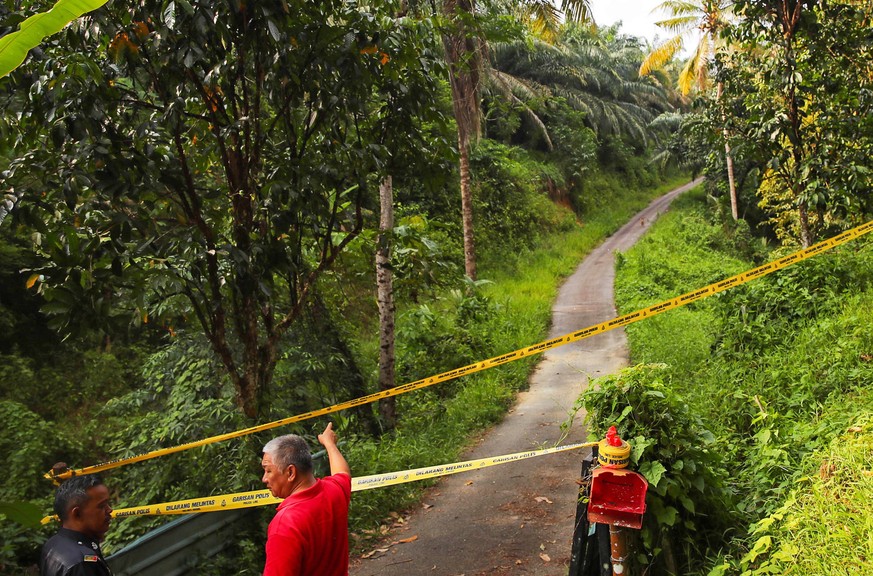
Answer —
91 558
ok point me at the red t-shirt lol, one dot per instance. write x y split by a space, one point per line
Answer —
309 536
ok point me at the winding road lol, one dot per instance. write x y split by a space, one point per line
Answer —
517 519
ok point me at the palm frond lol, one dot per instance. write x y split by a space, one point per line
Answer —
661 55
667 121
592 73
577 10
688 76
510 86
544 19
677 7
680 24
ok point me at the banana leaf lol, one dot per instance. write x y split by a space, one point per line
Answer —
15 46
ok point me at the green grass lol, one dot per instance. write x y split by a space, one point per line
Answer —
780 370
436 427
529 280
656 269
825 526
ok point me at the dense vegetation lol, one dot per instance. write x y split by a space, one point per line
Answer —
191 207
753 407
125 235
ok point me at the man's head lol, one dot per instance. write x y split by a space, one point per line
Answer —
82 504
287 464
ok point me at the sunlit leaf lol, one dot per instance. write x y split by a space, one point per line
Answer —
653 471
15 46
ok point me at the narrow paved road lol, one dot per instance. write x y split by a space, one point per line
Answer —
518 518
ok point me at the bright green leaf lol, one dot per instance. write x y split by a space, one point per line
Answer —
15 46
761 545
653 471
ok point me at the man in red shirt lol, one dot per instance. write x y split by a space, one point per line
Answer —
309 536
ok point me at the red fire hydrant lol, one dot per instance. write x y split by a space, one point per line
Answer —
618 496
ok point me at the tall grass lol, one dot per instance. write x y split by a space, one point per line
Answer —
780 370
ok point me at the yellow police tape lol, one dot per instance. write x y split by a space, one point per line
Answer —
264 498
636 316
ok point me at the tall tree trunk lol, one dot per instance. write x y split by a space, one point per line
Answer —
385 300
467 209
727 153
464 58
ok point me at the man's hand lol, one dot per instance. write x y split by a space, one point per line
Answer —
338 464
328 437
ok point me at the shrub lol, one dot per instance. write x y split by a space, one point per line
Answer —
30 446
671 447
510 207
824 523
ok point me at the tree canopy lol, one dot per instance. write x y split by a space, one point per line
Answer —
211 160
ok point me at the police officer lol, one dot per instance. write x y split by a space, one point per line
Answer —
82 504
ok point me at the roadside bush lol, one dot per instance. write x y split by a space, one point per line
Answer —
827 518
183 399
510 207
575 143
450 334
688 494
784 384
756 314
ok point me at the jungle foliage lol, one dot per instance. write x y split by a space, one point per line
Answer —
189 219
750 410
189 225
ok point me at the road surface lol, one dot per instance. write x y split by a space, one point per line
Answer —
517 519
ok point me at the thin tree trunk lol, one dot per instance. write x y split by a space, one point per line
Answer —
385 299
789 17
467 210
464 58
727 154
730 170
805 233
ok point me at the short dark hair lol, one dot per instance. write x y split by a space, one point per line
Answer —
74 492
290 449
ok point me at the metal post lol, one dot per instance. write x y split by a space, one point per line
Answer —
618 550
604 567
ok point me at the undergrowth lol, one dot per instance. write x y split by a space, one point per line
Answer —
778 371
513 311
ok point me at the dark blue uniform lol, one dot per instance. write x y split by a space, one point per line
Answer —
70 553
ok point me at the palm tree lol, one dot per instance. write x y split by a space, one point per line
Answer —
464 54
708 17
594 72
545 19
